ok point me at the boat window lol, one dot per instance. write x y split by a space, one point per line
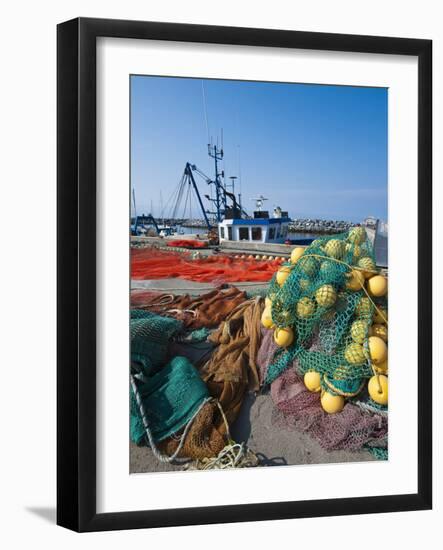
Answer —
272 232
243 234
256 233
230 232
222 232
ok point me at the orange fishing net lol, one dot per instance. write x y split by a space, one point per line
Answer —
151 263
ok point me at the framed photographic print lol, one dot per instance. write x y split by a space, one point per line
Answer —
232 203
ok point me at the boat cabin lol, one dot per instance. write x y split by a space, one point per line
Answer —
260 229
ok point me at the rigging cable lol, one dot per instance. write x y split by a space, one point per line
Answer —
204 109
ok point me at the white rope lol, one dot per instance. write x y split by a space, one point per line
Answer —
234 455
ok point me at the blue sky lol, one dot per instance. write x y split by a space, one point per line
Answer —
317 151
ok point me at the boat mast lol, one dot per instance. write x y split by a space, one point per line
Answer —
220 198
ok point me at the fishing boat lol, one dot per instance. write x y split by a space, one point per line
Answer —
223 218
260 229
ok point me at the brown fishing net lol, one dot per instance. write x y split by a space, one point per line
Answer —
232 367
207 310
297 408
203 440
228 374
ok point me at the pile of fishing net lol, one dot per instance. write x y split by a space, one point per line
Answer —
171 408
327 309
152 263
298 408
184 410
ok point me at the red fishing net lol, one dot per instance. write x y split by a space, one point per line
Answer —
297 408
150 263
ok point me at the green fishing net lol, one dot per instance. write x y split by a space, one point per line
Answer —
170 398
150 337
323 302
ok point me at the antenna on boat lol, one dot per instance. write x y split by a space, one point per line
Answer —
239 176
233 178
259 202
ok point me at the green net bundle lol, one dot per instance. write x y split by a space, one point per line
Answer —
150 338
170 397
321 314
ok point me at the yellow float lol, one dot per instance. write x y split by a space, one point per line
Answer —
359 330
357 252
326 296
284 337
357 235
268 301
296 254
363 307
355 281
368 266
378 350
378 389
305 307
354 354
335 248
332 403
377 286
379 330
312 381
283 274
266 318
308 266
303 284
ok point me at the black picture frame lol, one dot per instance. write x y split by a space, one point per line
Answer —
76 280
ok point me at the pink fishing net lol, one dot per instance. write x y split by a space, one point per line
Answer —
297 408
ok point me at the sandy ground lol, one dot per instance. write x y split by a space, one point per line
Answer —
274 446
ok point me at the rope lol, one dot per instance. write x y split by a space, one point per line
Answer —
182 311
234 455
